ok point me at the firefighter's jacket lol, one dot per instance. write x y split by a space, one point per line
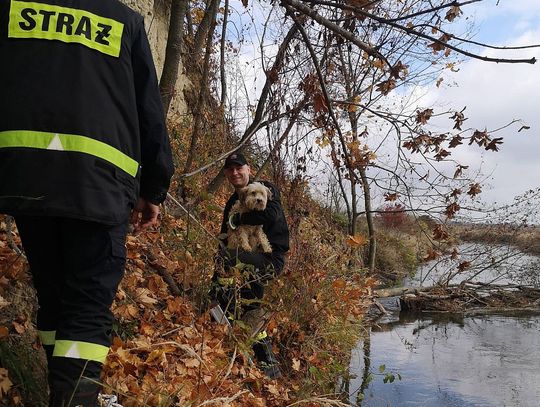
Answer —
82 130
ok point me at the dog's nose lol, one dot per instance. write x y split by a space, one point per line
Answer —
259 200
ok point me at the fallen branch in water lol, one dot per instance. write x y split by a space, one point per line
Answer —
467 298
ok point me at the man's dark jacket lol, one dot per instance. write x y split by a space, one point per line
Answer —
82 130
273 221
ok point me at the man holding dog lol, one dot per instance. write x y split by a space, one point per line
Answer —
261 267
83 143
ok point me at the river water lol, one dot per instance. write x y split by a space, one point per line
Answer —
442 360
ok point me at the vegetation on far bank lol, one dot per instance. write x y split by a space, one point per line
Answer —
525 238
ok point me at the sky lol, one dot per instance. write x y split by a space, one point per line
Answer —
496 94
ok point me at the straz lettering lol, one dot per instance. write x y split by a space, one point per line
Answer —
49 22
103 34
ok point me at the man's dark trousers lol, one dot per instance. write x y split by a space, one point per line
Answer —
76 267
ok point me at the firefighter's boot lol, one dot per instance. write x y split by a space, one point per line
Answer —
84 395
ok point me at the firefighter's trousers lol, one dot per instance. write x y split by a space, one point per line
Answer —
76 268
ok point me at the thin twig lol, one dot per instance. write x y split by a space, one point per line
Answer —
9 234
322 400
229 368
174 200
223 400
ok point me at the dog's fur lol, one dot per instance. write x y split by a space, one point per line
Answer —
250 238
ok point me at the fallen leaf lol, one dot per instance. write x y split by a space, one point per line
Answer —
339 284
19 328
272 388
144 296
193 362
5 383
4 331
3 302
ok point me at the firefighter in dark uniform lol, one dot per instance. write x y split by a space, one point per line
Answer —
83 144
261 267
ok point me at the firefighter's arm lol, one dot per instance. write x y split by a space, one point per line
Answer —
156 158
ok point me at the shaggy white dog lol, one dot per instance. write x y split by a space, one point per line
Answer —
250 237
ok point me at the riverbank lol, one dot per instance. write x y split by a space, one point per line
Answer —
526 239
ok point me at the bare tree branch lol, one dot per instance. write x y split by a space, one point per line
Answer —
308 11
409 30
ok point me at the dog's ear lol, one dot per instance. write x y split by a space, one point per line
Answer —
269 193
242 193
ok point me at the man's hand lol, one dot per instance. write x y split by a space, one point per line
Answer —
144 215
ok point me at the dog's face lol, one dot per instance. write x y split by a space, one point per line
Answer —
255 196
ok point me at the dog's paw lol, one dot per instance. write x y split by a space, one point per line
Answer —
266 248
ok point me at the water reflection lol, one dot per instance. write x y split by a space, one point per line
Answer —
500 264
450 361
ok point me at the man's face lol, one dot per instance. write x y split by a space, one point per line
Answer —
238 175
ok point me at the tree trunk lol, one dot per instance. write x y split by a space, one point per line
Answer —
369 220
208 20
198 113
173 52
222 56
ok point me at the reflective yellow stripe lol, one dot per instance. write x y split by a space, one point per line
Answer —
71 25
80 350
260 336
47 337
225 280
69 142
